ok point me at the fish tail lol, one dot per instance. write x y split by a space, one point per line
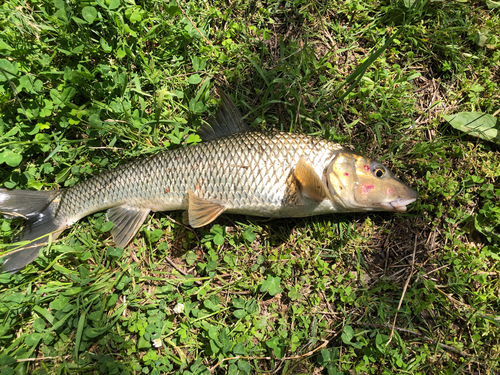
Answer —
39 208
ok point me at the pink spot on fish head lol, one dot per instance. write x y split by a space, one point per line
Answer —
366 167
389 191
346 174
365 188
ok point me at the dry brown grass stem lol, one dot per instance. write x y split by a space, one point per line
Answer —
404 291
172 263
192 23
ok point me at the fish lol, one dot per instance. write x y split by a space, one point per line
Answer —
233 170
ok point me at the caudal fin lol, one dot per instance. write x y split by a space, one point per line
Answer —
38 208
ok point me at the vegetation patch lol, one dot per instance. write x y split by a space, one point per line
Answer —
87 86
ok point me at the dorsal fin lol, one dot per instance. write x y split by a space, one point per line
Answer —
227 121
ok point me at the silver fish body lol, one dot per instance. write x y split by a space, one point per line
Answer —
235 171
246 172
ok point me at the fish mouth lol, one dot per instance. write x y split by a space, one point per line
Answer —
398 205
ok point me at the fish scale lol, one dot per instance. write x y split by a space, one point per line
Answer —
233 170
245 171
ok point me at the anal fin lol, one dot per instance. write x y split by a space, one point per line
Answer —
126 222
310 182
202 212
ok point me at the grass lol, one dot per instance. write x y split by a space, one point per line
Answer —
86 86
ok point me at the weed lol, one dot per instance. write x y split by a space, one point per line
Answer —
86 86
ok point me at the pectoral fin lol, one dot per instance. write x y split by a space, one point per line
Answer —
126 222
310 183
185 217
202 212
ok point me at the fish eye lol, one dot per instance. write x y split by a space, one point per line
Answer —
378 171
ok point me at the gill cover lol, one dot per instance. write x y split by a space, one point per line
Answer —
359 184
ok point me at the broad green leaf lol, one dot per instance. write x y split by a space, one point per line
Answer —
106 226
239 303
38 85
113 4
8 70
112 300
239 349
39 325
5 46
476 124
120 53
94 120
194 79
249 235
218 239
213 332
173 9
62 16
135 17
347 335
77 49
76 289
89 14
277 347
105 46
25 82
11 158
271 285
114 252
492 4
197 107
68 73
244 366
32 339
6 360
380 342
15 297
240 314
56 96
143 344
46 111
68 94
59 4
102 4
78 20
252 307
480 38
11 132
59 303
5 226
94 332
210 305
43 140
193 138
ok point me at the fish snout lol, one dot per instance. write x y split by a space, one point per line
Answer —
401 203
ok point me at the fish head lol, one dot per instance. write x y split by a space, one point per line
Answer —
361 184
